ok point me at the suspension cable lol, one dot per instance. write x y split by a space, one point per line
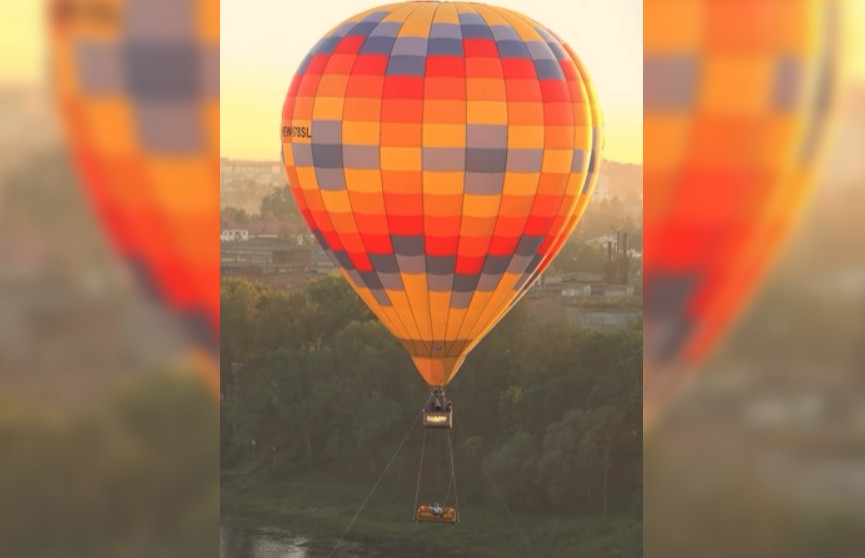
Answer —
419 471
448 493
501 499
450 486
453 476
375 486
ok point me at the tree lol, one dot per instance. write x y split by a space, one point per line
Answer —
512 466
239 301
237 215
579 257
603 432
553 411
558 466
375 419
279 205
332 306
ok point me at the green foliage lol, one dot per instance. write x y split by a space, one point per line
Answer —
580 257
319 385
278 206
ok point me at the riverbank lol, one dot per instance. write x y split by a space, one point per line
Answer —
324 508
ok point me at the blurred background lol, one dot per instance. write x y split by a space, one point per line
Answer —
108 433
758 449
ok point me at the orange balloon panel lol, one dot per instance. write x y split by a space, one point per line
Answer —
137 82
439 152
735 97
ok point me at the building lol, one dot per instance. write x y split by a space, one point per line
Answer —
270 230
238 167
234 235
230 231
263 173
261 252
601 301
586 311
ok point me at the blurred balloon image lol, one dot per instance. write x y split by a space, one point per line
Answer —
137 83
736 100
441 153
754 278
109 175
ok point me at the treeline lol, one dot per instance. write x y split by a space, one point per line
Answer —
313 383
278 205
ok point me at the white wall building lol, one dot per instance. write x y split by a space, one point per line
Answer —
233 235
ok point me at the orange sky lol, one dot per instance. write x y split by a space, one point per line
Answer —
263 42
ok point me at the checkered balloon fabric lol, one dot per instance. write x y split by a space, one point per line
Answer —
441 153
137 84
736 95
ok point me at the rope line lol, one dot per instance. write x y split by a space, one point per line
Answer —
450 486
453 476
501 499
419 471
375 486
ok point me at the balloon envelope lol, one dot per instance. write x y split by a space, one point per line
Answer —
137 83
735 101
440 153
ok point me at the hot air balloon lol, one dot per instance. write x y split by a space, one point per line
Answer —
736 96
137 85
441 154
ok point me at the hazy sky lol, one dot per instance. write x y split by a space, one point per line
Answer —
22 41
263 42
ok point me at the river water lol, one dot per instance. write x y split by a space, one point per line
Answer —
245 539
241 539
